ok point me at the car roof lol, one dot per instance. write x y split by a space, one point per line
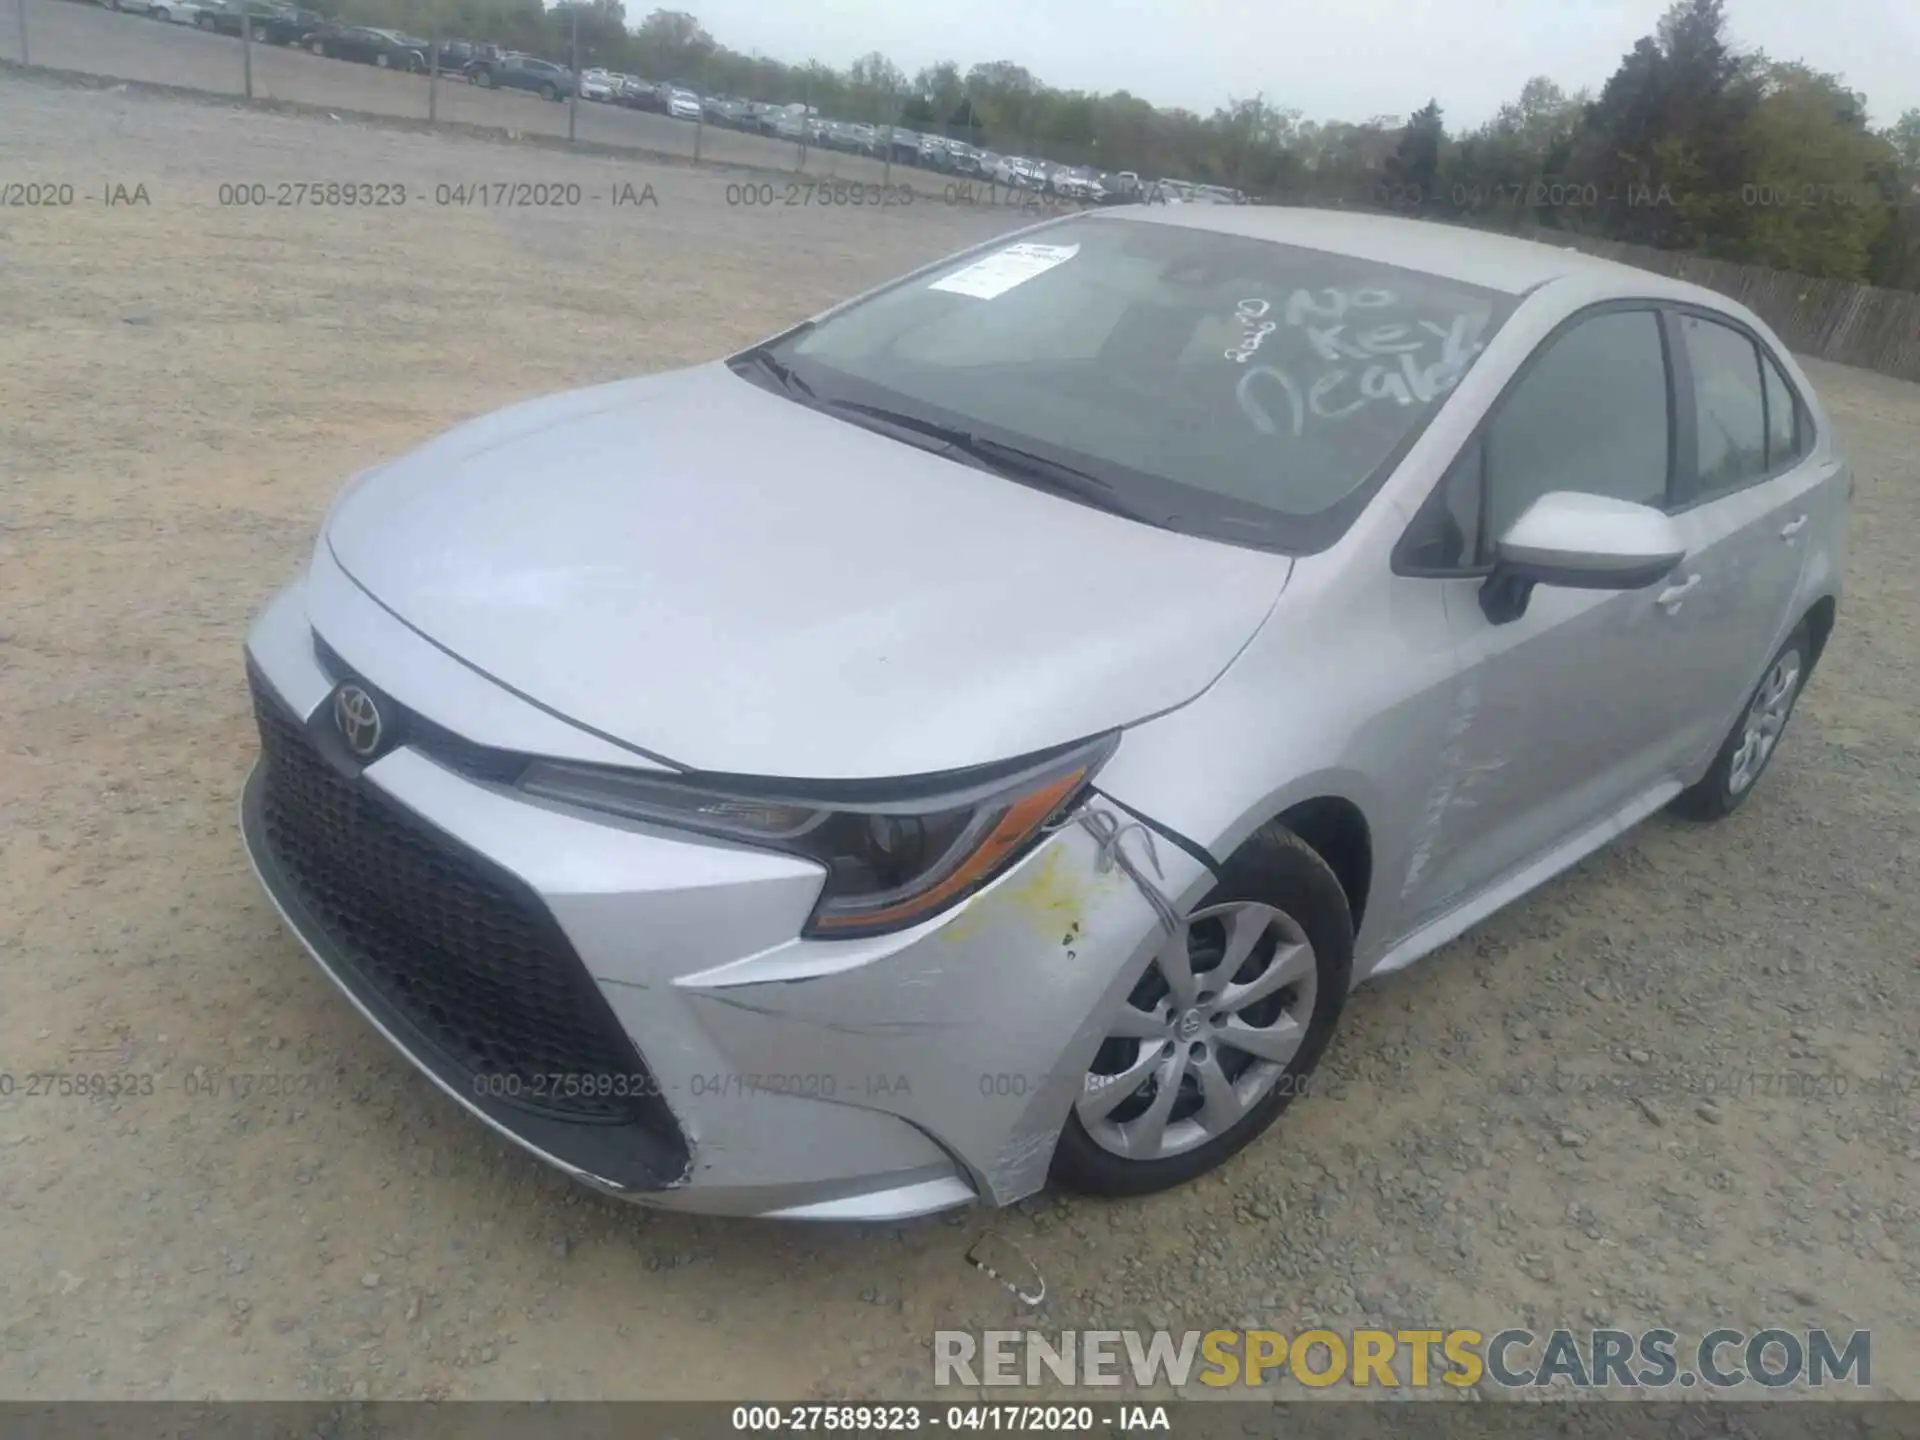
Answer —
1477 257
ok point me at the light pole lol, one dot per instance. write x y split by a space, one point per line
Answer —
573 100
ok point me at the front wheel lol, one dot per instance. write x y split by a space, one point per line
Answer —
547 92
1221 1031
1744 754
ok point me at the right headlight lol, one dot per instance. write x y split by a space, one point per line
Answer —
891 861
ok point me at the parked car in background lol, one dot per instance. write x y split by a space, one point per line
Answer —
231 17
638 94
180 12
290 25
1017 171
456 55
388 49
524 72
683 105
483 53
725 110
596 85
1074 185
964 158
134 7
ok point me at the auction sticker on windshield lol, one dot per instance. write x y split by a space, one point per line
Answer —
1004 269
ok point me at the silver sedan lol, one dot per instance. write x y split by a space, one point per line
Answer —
984 733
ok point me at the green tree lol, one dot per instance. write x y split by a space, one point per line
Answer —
1814 201
1414 167
671 45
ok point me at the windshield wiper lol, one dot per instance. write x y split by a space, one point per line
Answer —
1009 461
781 372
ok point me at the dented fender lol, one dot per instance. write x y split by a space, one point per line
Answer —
978 1028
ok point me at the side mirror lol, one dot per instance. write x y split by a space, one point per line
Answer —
1580 542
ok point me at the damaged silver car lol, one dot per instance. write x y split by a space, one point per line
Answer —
983 733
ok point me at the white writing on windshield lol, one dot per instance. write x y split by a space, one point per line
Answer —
1352 360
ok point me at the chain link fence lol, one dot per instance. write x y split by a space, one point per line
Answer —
259 50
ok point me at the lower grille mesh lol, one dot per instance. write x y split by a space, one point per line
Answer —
463 950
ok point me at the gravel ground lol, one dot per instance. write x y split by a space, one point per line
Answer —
185 386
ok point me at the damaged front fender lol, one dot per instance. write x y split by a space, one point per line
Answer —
979 1028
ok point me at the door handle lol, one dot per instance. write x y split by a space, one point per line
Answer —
1793 527
1670 598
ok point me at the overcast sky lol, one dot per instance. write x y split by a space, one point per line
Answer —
1333 59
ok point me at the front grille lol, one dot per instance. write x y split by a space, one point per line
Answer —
459 948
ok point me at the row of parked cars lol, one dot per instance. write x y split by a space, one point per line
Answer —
491 67
277 24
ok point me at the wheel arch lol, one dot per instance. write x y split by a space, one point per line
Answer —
1336 830
1819 622
1332 824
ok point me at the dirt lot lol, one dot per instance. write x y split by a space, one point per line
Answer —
182 387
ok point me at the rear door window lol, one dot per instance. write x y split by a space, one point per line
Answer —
1729 405
1785 440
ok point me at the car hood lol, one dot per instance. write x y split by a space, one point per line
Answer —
734 582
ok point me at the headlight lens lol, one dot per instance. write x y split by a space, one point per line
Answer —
891 863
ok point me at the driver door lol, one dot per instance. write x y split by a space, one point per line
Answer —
1563 715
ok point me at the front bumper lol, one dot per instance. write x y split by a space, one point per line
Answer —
789 1078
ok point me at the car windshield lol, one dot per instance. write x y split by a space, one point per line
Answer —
1213 383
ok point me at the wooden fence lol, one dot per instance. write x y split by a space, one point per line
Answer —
1834 320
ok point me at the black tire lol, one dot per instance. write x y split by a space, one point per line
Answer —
547 92
1715 796
1275 867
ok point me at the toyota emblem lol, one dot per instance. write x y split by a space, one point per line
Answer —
359 720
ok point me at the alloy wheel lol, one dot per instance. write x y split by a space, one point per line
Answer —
1765 720
1204 1035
